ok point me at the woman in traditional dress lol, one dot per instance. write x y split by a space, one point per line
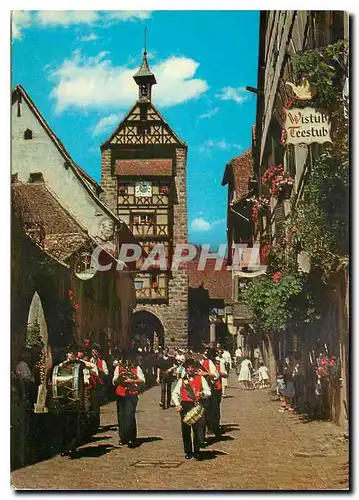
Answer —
245 373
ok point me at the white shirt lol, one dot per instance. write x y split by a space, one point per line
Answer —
227 358
139 374
176 394
222 366
104 365
238 352
90 368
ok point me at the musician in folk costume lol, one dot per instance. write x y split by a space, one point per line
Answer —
166 367
103 373
217 391
192 390
127 378
70 417
212 371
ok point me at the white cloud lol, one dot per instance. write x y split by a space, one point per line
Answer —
237 95
106 124
128 15
94 82
199 224
210 144
21 19
89 38
66 18
209 114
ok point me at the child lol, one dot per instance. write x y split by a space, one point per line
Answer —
279 389
263 375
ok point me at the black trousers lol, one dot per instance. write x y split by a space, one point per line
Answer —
191 444
70 430
166 392
126 416
213 413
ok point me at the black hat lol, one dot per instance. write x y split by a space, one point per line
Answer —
210 354
189 362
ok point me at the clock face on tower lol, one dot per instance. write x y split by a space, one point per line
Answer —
143 188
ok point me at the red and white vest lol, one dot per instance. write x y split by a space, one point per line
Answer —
196 384
216 384
205 364
121 390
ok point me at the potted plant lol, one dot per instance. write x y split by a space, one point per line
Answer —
260 207
282 185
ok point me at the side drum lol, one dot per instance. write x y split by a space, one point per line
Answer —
68 388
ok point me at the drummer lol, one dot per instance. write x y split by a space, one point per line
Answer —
69 418
190 389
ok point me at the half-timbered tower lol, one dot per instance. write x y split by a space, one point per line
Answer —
144 178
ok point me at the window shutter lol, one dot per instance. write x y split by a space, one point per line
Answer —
279 217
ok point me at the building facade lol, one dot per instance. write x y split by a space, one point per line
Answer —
283 87
144 178
41 164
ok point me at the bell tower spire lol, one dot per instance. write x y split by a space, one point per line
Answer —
144 77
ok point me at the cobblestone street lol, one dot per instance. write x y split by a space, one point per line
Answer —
261 449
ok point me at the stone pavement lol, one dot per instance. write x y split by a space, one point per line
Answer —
262 449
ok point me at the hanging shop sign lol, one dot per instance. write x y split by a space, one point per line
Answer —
305 126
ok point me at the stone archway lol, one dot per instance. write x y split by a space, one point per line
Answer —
146 327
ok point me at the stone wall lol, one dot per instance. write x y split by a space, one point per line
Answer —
108 181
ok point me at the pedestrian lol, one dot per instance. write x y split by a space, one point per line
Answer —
227 358
239 358
288 391
191 390
180 370
165 376
245 373
263 375
128 378
257 357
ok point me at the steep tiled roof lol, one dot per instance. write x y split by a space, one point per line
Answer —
160 167
38 208
218 283
87 181
238 171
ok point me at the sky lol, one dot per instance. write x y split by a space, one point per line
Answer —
77 67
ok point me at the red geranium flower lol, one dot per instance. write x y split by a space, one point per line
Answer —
76 307
276 276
